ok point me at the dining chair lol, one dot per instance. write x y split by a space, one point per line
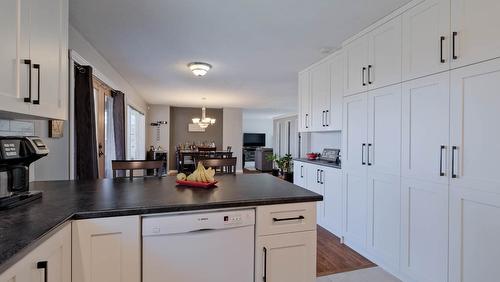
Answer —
222 166
136 165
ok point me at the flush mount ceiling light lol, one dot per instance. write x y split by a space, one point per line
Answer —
199 69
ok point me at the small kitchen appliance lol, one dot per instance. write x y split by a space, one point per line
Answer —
16 155
331 155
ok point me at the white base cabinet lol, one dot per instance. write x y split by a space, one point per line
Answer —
49 262
285 250
107 249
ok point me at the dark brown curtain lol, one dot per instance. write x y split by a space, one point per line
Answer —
85 125
119 123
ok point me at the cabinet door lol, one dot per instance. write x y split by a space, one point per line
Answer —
287 257
48 48
475 104
320 95
52 257
384 130
315 183
355 208
476 25
426 40
474 233
299 174
354 132
426 128
304 101
332 200
11 66
384 219
356 65
107 249
424 231
384 66
334 114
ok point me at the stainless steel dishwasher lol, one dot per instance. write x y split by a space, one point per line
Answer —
195 247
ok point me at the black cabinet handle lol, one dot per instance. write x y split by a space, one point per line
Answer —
37 67
322 177
454 43
317 176
307 116
326 118
301 171
453 174
28 62
368 154
323 118
363 154
363 76
369 76
441 172
300 217
264 276
45 266
441 41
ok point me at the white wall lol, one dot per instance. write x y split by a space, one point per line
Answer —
232 133
321 140
55 166
260 125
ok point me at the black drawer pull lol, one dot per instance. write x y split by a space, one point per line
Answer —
453 149
300 217
441 172
43 265
369 75
264 277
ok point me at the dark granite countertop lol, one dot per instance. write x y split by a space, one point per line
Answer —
319 162
23 228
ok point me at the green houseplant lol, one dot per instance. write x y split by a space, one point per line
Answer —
274 158
285 165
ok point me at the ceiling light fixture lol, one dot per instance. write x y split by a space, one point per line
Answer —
204 121
199 69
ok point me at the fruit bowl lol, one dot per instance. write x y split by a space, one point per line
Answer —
312 156
196 184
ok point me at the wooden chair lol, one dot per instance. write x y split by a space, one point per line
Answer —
136 165
224 166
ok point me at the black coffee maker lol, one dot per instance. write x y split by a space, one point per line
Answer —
16 155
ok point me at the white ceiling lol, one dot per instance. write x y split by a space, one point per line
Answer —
256 47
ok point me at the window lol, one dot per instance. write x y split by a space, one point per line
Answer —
136 134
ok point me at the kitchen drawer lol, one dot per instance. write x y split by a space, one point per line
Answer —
278 219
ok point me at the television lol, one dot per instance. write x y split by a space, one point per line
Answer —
254 139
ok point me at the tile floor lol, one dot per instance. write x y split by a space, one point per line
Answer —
373 274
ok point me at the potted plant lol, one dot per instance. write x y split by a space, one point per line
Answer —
285 165
274 158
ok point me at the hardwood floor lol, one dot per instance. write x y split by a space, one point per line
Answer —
334 257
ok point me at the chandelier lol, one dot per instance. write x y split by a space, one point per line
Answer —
204 121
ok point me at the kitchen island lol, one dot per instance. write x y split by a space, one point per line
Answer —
23 229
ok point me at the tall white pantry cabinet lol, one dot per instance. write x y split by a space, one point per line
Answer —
420 182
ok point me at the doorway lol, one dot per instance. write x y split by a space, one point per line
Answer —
103 102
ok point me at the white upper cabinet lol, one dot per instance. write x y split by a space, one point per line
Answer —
334 116
474 27
33 69
425 137
426 39
304 102
475 104
48 52
384 66
11 65
356 66
320 95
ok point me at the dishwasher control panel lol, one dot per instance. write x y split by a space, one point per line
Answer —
191 222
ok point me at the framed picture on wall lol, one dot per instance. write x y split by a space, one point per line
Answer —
56 128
